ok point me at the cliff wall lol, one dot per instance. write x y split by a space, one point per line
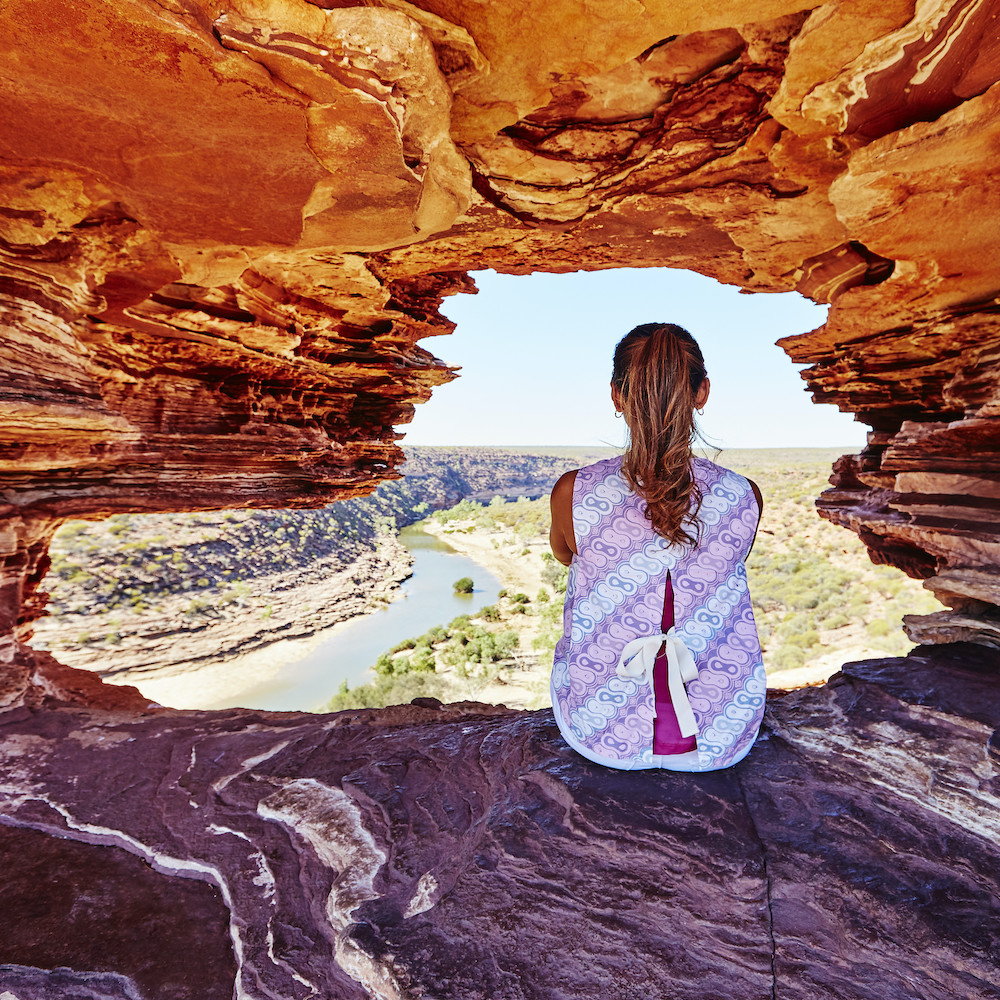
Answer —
225 225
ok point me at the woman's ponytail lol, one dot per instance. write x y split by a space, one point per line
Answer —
658 371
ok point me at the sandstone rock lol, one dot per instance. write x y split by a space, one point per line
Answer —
465 851
223 308
224 227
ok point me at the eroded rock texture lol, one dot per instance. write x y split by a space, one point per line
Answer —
225 224
466 852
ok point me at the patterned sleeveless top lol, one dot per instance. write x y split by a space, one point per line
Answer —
615 595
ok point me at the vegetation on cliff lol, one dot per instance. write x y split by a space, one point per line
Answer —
171 589
165 589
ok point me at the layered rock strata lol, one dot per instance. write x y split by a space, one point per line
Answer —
222 306
464 851
224 227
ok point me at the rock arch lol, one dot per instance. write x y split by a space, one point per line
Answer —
223 307
225 224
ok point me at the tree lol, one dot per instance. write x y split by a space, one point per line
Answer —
464 586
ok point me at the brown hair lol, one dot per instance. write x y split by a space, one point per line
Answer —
658 371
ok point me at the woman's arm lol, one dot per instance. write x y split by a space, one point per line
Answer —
760 511
561 537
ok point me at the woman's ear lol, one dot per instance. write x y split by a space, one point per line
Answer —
701 396
616 398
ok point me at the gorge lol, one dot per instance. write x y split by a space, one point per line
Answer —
224 227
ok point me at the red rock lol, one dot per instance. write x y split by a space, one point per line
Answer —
464 851
224 227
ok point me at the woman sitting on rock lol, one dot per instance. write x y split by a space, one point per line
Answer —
659 664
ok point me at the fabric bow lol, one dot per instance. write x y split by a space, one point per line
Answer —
636 661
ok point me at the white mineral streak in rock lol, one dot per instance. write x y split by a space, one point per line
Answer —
835 97
248 764
18 759
331 824
168 865
360 966
265 878
423 898
939 777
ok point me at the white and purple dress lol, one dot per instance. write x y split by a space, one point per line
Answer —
614 624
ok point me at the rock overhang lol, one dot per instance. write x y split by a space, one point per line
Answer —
226 225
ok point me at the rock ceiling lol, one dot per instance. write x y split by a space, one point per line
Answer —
224 227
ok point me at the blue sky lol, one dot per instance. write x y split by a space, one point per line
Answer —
536 355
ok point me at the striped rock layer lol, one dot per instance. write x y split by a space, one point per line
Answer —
226 224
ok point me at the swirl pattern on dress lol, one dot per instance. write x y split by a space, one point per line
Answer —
615 594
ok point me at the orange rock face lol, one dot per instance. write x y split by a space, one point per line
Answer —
226 224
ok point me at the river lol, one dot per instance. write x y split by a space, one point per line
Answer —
426 599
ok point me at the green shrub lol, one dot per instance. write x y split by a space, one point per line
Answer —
506 642
554 573
787 658
422 660
878 629
391 690
806 640
464 586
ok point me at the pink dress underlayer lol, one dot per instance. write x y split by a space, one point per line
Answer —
667 737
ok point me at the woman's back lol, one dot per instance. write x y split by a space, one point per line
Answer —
615 594
642 666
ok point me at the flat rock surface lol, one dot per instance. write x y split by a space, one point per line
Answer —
464 851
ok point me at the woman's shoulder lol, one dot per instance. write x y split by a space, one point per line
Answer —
597 474
587 476
705 468
709 473
597 471
562 491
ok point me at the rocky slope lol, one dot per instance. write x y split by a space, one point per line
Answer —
139 595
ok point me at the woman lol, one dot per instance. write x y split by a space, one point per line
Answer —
659 664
